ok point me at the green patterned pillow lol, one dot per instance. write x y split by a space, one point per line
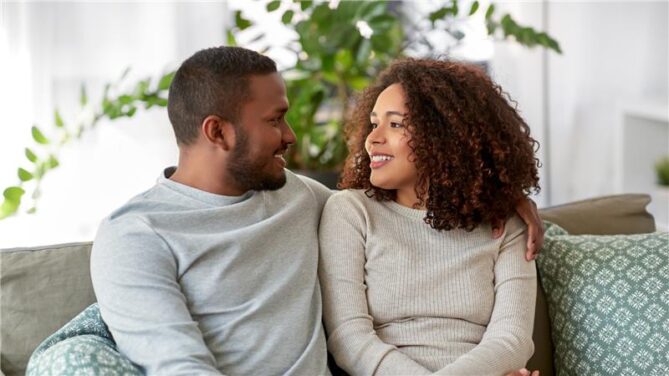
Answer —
83 346
608 300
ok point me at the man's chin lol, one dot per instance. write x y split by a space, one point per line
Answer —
272 184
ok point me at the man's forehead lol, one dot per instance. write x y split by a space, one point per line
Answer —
267 85
267 93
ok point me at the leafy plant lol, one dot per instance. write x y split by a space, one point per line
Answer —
42 157
340 47
662 171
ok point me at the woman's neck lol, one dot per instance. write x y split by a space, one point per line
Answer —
407 197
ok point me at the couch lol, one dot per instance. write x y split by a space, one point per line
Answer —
42 288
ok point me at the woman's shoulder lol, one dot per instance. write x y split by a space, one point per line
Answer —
349 196
349 200
514 225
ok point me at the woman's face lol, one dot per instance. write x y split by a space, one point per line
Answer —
387 145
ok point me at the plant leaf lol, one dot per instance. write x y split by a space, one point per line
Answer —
58 119
83 98
38 136
14 194
52 162
273 5
474 8
439 14
8 208
287 17
165 81
231 38
490 11
30 155
305 4
241 22
24 175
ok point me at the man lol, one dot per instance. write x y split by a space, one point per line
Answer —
213 270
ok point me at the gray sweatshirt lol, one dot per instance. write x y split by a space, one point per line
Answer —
194 283
400 298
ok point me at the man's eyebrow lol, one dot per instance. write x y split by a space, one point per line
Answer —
389 113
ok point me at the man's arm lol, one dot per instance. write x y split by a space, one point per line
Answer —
527 210
135 280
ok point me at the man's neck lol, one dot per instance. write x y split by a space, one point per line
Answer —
206 175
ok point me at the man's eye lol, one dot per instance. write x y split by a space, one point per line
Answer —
277 121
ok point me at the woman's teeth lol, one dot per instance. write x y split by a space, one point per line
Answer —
381 158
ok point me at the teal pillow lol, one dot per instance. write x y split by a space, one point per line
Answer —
608 300
83 346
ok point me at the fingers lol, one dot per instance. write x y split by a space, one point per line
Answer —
497 229
520 372
535 373
532 248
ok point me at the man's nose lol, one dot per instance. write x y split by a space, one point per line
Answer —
288 136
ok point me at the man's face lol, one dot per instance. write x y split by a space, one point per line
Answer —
262 136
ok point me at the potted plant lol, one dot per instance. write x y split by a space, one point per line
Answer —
662 172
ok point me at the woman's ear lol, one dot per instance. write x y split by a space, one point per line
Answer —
218 132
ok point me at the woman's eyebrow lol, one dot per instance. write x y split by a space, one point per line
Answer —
388 113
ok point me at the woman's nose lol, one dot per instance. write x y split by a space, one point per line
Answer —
376 136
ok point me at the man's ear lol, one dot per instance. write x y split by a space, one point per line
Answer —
218 132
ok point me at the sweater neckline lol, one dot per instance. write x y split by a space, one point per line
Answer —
406 211
198 194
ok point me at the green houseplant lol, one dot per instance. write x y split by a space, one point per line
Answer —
662 171
340 47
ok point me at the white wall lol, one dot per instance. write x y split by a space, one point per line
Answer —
614 53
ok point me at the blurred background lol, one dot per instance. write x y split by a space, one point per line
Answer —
83 87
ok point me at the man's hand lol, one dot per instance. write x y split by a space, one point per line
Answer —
527 211
523 372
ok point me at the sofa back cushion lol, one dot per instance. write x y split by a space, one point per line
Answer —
42 289
608 215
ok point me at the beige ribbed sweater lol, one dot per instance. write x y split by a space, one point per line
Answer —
400 298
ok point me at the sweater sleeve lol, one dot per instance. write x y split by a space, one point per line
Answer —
507 343
352 339
135 280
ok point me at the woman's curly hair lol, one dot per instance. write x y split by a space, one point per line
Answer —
473 152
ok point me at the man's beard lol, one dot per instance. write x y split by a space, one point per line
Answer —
248 173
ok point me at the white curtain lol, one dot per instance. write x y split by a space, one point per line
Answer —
47 50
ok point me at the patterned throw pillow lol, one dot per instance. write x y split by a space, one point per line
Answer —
608 301
83 346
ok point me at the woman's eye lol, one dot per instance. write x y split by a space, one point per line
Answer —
396 125
374 125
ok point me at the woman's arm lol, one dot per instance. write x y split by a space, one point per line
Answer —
507 343
352 339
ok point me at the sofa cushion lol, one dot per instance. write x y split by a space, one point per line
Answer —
608 299
608 215
618 214
42 289
83 346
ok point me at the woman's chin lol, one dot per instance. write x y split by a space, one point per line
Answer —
381 183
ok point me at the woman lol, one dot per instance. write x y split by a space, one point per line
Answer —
412 281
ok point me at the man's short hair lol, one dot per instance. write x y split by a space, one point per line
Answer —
214 81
